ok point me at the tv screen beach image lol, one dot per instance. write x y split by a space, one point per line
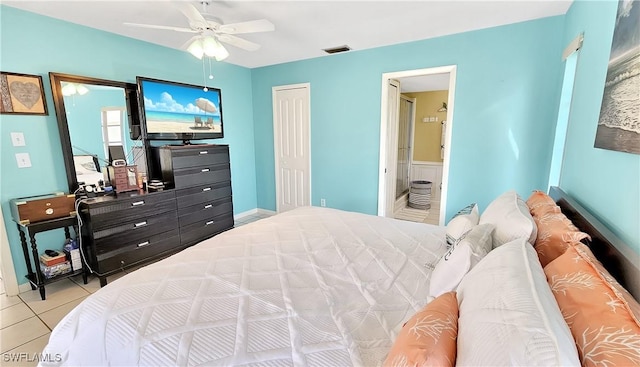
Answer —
176 108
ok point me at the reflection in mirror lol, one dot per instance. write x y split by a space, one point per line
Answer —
94 120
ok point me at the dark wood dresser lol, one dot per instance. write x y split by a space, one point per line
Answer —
122 231
201 177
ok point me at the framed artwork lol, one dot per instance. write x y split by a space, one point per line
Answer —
619 121
22 94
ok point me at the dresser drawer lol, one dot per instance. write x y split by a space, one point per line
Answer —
111 214
204 156
204 211
203 229
137 231
202 194
202 175
131 254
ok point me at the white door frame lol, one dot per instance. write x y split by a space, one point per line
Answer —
392 136
6 262
307 87
383 190
413 133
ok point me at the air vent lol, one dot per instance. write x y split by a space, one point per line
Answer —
335 50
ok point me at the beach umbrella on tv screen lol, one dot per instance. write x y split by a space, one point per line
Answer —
206 105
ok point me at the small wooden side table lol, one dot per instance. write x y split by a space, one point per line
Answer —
36 278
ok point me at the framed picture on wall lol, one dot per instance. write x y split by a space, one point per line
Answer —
619 122
22 94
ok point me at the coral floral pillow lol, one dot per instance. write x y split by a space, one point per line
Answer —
598 311
429 337
555 230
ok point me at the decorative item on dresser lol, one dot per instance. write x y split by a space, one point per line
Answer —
201 177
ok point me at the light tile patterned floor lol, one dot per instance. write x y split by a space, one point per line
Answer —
26 321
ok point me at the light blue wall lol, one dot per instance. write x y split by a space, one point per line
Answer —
606 182
506 100
33 44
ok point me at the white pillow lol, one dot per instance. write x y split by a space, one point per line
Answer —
508 315
460 258
510 214
467 218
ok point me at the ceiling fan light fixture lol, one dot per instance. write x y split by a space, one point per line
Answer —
213 48
222 53
196 49
210 46
81 89
68 90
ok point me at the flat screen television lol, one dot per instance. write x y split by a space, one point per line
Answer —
179 111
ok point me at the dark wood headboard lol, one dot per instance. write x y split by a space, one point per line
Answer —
616 256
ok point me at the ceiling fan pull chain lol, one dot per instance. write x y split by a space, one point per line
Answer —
204 78
210 73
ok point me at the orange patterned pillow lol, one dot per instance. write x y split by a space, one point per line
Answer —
429 337
540 203
555 231
601 318
617 287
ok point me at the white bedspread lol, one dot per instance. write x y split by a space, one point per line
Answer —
309 287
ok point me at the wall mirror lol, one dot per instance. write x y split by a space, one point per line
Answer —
98 121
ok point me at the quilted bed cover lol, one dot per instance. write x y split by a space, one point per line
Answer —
312 286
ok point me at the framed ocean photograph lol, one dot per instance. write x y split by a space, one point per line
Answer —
619 122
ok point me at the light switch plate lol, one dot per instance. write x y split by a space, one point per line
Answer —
23 159
18 139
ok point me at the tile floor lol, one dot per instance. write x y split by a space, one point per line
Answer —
26 321
415 215
251 218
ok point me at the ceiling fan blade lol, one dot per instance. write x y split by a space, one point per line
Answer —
165 27
195 18
253 26
238 42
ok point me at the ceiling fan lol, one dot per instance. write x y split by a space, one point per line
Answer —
209 33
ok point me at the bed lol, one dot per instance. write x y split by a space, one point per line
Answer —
87 169
313 286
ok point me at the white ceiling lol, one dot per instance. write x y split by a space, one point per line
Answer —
424 83
303 28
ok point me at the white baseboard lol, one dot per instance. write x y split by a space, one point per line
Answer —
266 211
245 214
253 211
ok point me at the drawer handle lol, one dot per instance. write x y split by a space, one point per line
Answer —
204 152
140 224
209 222
141 202
206 189
204 170
143 244
208 206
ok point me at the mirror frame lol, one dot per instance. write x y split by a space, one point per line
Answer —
133 113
